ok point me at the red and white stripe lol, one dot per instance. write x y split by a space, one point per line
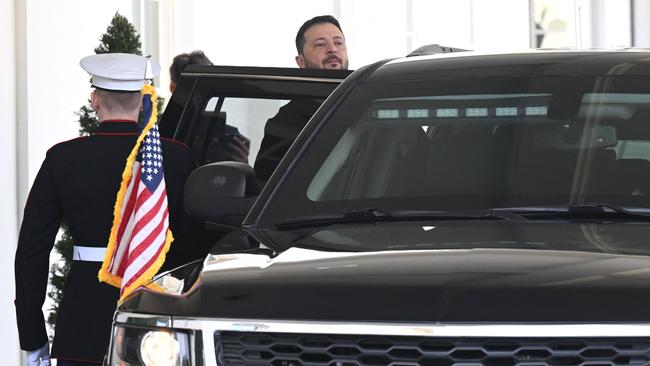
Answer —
142 232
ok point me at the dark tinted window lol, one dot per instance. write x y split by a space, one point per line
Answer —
218 102
454 144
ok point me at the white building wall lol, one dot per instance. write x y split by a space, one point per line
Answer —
374 29
611 23
499 25
58 35
9 184
641 24
244 32
433 24
472 24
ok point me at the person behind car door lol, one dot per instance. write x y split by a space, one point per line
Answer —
77 184
321 45
233 148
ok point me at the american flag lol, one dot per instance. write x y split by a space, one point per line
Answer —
140 236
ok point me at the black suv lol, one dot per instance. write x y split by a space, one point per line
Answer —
456 209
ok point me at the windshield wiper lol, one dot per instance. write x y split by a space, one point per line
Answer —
378 215
591 211
594 211
350 216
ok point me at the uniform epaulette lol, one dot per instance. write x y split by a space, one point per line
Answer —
66 141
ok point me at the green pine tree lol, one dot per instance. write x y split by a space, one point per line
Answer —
58 273
120 37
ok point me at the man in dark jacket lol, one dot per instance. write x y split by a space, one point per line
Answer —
231 145
321 45
77 185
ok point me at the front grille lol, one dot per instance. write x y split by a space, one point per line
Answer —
283 349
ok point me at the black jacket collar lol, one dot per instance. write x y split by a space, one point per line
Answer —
118 127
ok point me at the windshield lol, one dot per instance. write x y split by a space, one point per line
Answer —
450 145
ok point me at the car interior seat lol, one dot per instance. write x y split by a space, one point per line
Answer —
630 177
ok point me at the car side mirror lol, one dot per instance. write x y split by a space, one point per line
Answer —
220 192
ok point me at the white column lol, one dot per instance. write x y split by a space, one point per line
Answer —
641 9
10 17
500 25
166 29
611 23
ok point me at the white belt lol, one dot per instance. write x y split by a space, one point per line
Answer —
88 254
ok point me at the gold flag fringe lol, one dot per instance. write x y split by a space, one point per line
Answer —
104 275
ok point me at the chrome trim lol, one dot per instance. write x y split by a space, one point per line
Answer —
430 330
204 329
396 329
147 320
265 77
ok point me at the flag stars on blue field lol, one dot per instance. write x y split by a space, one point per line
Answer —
151 159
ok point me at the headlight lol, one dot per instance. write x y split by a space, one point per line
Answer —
149 347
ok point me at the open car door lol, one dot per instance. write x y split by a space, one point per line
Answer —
211 104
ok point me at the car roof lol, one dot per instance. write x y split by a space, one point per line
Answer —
256 72
533 62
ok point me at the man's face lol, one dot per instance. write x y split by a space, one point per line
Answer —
324 48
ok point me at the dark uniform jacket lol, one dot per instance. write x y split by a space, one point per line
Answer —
279 133
77 184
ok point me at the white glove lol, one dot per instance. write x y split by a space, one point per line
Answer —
39 357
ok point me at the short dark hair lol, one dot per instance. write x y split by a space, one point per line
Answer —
300 36
119 101
185 59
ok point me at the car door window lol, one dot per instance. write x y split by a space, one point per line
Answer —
246 116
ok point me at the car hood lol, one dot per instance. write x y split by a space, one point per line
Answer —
540 284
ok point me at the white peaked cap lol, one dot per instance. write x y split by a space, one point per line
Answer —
118 71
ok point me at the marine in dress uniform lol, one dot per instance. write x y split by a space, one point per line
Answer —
77 184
